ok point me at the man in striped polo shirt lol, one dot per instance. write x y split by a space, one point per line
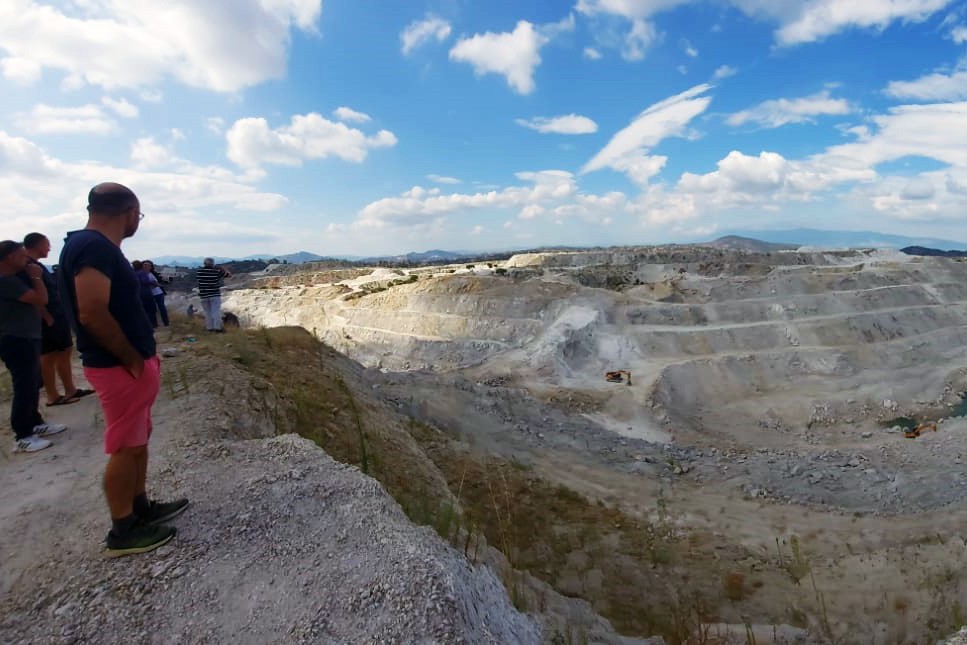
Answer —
210 291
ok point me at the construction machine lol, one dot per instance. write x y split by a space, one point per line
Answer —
618 376
913 433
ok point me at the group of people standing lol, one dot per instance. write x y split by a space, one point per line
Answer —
151 291
99 298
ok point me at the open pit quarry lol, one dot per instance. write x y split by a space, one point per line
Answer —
766 415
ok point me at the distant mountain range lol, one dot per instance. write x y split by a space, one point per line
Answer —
750 240
845 239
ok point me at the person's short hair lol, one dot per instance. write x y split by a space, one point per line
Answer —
136 265
33 240
7 247
209 262
110 199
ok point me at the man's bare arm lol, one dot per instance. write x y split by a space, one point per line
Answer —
38 290
93 290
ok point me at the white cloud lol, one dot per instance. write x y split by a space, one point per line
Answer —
822 18
592 54
151 95
627 150
567 124
252 143
215 124
779 112
137 43
631 9
351 115
443 179
515 55
22 71
84 119
811 20
642 35
46 193
477 230
121 107
959 34
423 31
147 153
177 134
935 131
932 87
724 71
690 50
418 205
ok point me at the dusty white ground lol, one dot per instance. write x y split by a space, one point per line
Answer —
760 386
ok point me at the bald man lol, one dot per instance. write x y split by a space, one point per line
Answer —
117 347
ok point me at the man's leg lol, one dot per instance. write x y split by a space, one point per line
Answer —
48 372
217 313
159 301
22 358
64 371
206 306
121 480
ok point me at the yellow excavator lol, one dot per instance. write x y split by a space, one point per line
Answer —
913 433
618 376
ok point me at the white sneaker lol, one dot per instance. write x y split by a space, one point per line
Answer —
47 429
32 443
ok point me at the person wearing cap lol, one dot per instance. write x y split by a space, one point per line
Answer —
210 292
55 333
20 319
116 342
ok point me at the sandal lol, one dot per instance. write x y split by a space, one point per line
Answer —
79 392
63 400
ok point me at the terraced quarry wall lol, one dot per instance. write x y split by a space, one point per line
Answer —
761 420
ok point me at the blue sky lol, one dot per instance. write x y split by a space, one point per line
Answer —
372 127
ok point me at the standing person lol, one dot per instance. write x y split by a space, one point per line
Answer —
144 293
157 291
210 291
116 342
20 321
55 338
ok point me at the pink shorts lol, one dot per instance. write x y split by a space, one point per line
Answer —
126 403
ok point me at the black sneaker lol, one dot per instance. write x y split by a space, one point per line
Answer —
140 539
159 512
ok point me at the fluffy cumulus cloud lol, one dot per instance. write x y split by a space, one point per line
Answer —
420 205
592 54
423 31
724 71
350 115
252 143
135 43
779 112
121 107
84 119
46 193
627 151
514 55
148 153
567 124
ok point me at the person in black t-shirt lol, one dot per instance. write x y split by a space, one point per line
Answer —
56 342
116 343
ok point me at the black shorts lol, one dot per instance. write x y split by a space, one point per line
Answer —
56 337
